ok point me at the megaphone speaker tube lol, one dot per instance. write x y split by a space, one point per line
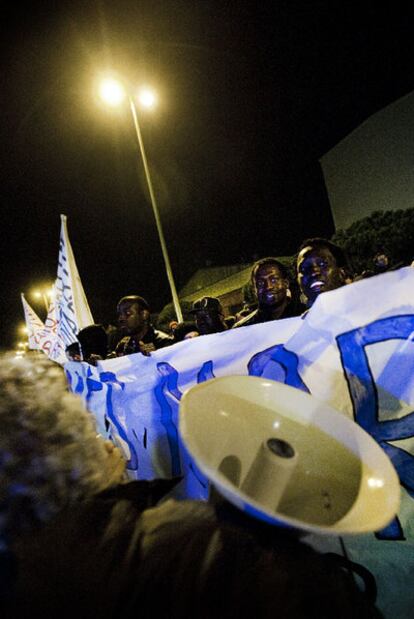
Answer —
270 472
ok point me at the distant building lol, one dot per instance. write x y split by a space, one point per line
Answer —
372 168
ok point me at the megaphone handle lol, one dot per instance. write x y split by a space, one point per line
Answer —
366 576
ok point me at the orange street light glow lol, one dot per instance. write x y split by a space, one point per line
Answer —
147 98
112 92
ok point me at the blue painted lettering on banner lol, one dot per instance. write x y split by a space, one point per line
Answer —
206 372
169 382
110 378
364 396
69 379
92 385
264 362
170 375
79 384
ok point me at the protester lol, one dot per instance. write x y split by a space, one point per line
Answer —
321 266
139 334
220 562
209 315
113 335
270 281
62 495
93 342
380 264
73 352
185 330
50 455
77 542
172 325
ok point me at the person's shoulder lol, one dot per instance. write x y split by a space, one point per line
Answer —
140 493
294 308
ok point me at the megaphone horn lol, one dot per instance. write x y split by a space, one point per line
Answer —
285 457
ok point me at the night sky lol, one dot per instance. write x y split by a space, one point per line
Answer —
250 97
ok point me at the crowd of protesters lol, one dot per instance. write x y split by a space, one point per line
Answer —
78 539
320 266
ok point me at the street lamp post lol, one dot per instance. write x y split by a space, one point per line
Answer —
154 205
117 98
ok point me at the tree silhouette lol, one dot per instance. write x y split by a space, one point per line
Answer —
389 232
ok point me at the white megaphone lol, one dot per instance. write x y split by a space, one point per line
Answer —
287 458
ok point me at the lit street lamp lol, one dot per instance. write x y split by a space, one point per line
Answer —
46 294
21 349
113 93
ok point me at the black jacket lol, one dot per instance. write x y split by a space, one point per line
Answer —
152 340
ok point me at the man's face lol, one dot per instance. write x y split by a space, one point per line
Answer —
318 272
209 321
131 317
271 286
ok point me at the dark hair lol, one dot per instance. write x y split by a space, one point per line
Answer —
135 298
208 304
182 329
93 341
269 260
337 252
73 349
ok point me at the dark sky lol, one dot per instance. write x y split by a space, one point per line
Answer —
251 96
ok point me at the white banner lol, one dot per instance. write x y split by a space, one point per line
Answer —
33 324
354 349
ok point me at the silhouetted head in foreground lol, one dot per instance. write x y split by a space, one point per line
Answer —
50 455
93 342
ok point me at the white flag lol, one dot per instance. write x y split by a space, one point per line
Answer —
48 338
73 311
33 324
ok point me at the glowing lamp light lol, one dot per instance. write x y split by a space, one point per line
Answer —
147 98
45 292
112 92
48 292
